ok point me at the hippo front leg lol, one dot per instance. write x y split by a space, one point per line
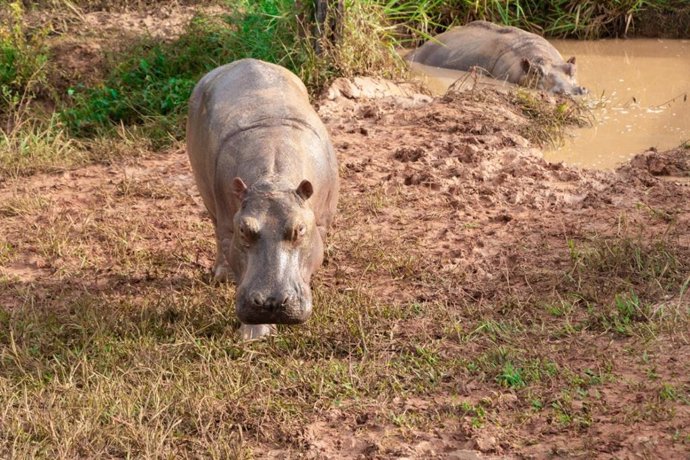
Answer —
221 268
257 331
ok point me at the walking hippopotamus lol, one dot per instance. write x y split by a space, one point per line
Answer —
505 53
268 175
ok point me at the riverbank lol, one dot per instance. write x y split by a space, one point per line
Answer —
476 301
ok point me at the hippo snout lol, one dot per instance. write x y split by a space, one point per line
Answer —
275 308
580 90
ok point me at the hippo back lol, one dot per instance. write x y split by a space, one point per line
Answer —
262 107
505 53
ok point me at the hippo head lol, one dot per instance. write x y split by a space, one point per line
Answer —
276 247
555 78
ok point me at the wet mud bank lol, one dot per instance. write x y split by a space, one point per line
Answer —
638 98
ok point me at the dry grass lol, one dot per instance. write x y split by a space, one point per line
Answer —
123 349
37 144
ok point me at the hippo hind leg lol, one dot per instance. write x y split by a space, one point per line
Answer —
257 331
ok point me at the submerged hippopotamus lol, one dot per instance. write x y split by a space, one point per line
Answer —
505 53
268 175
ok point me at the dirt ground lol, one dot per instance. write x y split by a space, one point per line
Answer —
554 300
469 196
473 219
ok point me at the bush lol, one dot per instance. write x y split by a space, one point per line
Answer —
151 84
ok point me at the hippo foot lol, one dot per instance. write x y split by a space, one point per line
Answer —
221 274
257 331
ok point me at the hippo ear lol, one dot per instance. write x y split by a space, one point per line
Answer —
305 190
569 69
239 188
571 60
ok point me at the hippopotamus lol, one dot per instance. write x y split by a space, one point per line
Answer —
505 53
268 176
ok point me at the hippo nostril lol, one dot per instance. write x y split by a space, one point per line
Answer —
257 300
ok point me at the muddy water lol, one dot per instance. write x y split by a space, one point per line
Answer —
639 94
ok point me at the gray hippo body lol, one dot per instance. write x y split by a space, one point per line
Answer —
505 53
268 175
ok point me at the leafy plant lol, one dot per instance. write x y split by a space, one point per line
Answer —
511 376
150 86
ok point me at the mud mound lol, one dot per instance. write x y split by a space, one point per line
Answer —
467 185
674 163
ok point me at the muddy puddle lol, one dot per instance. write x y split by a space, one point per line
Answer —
639 92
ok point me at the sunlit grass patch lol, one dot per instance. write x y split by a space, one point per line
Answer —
37 145
162 367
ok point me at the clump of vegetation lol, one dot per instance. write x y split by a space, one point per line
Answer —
365 43
23 58
34 145
550 119
609 266
28 140
151 84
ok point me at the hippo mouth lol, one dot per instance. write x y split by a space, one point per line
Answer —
295 311
259 315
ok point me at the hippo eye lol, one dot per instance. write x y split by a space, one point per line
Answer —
298 232
247 234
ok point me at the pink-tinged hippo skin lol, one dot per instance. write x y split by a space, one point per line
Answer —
268 175
505 53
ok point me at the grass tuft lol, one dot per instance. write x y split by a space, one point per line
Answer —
550 119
